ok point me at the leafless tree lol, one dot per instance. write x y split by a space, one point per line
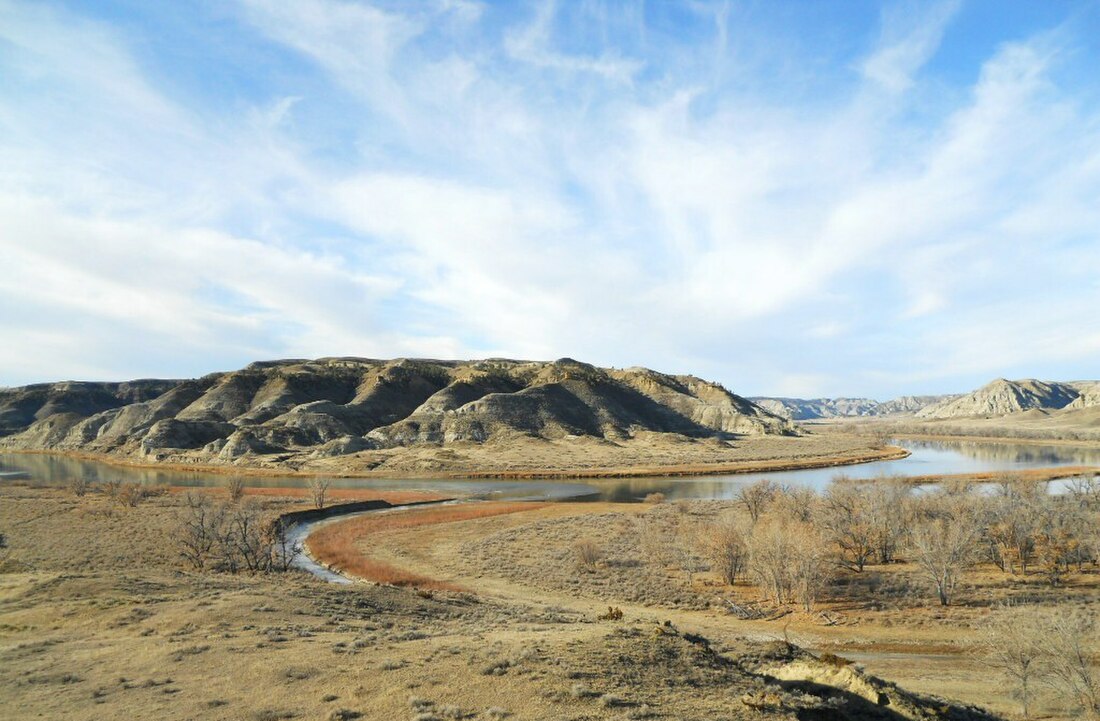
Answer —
888 514
810 569
1067 643
944 541
723 545
79 486
284 550
250 539
797 503
682 546
770 551
318 488
1013 643
845 520
198 530
756 497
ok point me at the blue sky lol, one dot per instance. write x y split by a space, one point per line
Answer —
793 198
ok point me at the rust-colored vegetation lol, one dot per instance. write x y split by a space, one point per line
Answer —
337 544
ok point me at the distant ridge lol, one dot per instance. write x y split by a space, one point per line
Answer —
338 406
1003 397
801 409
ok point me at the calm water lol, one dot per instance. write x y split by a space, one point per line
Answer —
928 458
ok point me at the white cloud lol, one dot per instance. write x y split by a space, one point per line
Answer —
489 190
911 35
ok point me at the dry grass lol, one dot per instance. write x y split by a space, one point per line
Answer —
339 544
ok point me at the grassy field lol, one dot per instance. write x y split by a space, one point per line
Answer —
100 619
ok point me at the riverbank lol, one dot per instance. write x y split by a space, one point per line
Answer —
579 461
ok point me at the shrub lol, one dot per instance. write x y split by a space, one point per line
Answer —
318 488
587 553
654 498
78 486
235 486
131 494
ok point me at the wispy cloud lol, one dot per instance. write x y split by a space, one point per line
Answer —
618 183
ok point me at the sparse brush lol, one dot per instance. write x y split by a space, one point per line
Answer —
235 487
587 553
78 486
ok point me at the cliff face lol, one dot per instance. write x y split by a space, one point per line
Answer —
336 406
801 409
1004 397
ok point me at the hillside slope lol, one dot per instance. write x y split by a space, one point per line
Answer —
1004 397
338 406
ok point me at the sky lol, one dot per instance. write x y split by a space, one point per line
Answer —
790 198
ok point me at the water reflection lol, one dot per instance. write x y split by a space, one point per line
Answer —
928 458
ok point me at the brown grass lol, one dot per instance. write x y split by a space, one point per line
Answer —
1027 474
336 544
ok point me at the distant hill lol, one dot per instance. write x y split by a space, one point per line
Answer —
800 409
337 406
1003 397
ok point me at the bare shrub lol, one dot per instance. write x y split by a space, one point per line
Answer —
653 540
111 488
723 545
587 553
78 486
226 538
318 488
654 498
235 487
284 551
131 495
756 498
197 531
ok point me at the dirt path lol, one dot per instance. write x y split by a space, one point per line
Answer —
931 660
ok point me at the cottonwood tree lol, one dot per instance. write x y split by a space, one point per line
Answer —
945 543
756 497
798 503
1011 527
1013 643
846 523
770 551
1068 640
723 544
284 551
888 514
787 559
810 570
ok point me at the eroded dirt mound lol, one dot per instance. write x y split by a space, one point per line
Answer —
336 406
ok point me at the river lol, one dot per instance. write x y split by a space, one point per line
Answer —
927 458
